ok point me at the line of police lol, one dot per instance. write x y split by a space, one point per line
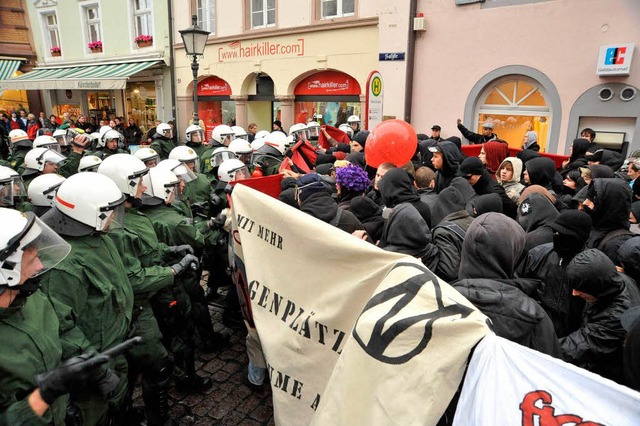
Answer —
88 260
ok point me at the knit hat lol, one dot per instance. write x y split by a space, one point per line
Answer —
574 223
471 166
361 137
310 184
352 178
487 125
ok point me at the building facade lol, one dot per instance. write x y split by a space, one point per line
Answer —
553 66
286 60
101 58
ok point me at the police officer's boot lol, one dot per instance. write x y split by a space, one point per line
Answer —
190 382
155 393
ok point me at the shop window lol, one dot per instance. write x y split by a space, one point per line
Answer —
515 105
215 112
141 104
333 113
92 23
263 13
142 17
52 36
207 15
336 8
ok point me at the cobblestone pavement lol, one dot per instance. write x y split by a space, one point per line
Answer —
230 401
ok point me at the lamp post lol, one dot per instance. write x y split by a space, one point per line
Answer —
194 39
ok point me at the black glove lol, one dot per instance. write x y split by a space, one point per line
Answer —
70 375
181 250
107 382
217 222
198 208
188 261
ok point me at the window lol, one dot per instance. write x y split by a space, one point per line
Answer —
51 24
263 13
207 15
337 8
515 105
142 21
92 19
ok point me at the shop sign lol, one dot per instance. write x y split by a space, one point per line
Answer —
260 49
397 56
615 59
213 86
328 83
373 113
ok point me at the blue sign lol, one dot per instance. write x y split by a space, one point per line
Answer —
397 56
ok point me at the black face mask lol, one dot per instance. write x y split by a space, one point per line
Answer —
567 247
30 286
587 210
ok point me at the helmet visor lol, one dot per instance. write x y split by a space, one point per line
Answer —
193 165
240 174
50 193
43 249
184 173
314 131
49 156
226 139
196 136
219 157
111 217
12 190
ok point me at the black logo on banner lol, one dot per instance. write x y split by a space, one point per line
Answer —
383 335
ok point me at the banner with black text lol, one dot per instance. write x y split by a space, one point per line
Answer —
351 334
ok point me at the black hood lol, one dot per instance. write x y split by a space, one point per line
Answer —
484 204
449 200
405 232
492 247
321 206
535 211
629 254
364 208
612 159
593 273
579 149
601 171
356 158
397 187
465 188
451 158
527 154
612 199
541 171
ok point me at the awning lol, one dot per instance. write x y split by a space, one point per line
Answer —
7 68
94 77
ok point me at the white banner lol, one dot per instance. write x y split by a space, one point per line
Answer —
509 384
351 334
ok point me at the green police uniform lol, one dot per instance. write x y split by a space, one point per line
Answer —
197 147
70 165
29 330
16 159
198 190
94 302
162 146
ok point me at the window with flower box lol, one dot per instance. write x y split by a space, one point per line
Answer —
142 18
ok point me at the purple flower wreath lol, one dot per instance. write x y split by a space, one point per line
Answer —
352 178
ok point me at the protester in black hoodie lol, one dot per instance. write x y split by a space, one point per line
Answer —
451 222
370 215
608 203
397 187
548 263
597 345
406 232
577 158
446 160
491 249
535 214
314 199
483 183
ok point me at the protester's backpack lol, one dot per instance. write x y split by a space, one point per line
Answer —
453 227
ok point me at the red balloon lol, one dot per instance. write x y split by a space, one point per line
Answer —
392 141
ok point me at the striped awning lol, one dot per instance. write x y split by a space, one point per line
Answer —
93 77
7 68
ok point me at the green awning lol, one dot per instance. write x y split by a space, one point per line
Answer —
93 77
7 68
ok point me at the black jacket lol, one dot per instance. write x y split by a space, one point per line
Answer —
397 187
451 159
406 232
554 293
322 206
534 215
488 185
597 345
491 248
476 137
370 215
611 213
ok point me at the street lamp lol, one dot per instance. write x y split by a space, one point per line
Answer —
194 39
